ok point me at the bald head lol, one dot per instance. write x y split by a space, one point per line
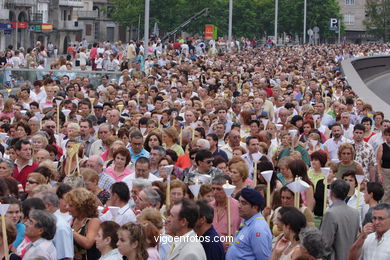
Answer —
42 155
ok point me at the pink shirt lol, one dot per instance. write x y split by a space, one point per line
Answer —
110 172
220 218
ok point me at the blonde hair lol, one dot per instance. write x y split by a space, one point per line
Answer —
240 165
90 175
84 201
38 177
172 133
43 139
152 215
346 146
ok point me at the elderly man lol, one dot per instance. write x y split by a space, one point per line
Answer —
97 148
254 239
234 140
142 170
220 207
41 155
374 242
40 229
96 163
148 197
156 154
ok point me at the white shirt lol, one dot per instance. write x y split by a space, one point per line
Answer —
42 247
332 147
348 133
125 215
129 179
374 249
362 208
112 255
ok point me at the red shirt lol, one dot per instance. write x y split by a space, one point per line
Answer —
184 161
23 174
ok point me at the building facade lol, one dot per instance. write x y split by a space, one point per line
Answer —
354 13
61 22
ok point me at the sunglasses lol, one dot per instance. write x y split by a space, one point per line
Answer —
209 161
32 182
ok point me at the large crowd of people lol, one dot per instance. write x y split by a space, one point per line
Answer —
203 150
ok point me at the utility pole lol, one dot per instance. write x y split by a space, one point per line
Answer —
304 21
146 32
276 22
230 22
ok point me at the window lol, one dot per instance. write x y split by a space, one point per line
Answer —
349 2
88 29
349 19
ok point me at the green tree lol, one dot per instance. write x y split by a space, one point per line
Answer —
250 17
376 20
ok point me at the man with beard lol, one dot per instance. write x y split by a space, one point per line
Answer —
86 137
332 145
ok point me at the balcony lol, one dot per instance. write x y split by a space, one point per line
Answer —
14 3
71 3
36 18
69 25
4 14
87 14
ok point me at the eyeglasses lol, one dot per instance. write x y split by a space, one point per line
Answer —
209 161
32 182
51 126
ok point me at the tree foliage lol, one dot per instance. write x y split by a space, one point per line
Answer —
376 20
250 17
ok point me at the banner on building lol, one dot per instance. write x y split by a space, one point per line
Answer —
20 25
210 32
47 27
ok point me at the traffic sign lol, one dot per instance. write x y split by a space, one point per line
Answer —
334 24
316 29
310 32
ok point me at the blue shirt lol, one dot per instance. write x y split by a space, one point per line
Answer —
252 241
143 153
20 229
213 248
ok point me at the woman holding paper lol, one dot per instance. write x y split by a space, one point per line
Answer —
298 168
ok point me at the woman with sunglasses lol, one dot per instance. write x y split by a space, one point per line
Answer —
33 180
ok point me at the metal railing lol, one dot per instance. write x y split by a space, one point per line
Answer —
20 2
16 78
73 3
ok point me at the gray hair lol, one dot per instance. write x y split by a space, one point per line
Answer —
160 150
221 179
49 197
383 206
45 221
311 239
152 196
98 159
9 163
105 124
203 143
141 183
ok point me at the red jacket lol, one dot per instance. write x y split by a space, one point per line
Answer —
23 174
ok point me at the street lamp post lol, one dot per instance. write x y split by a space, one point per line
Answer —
146 31
276 21
304 21
230 22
